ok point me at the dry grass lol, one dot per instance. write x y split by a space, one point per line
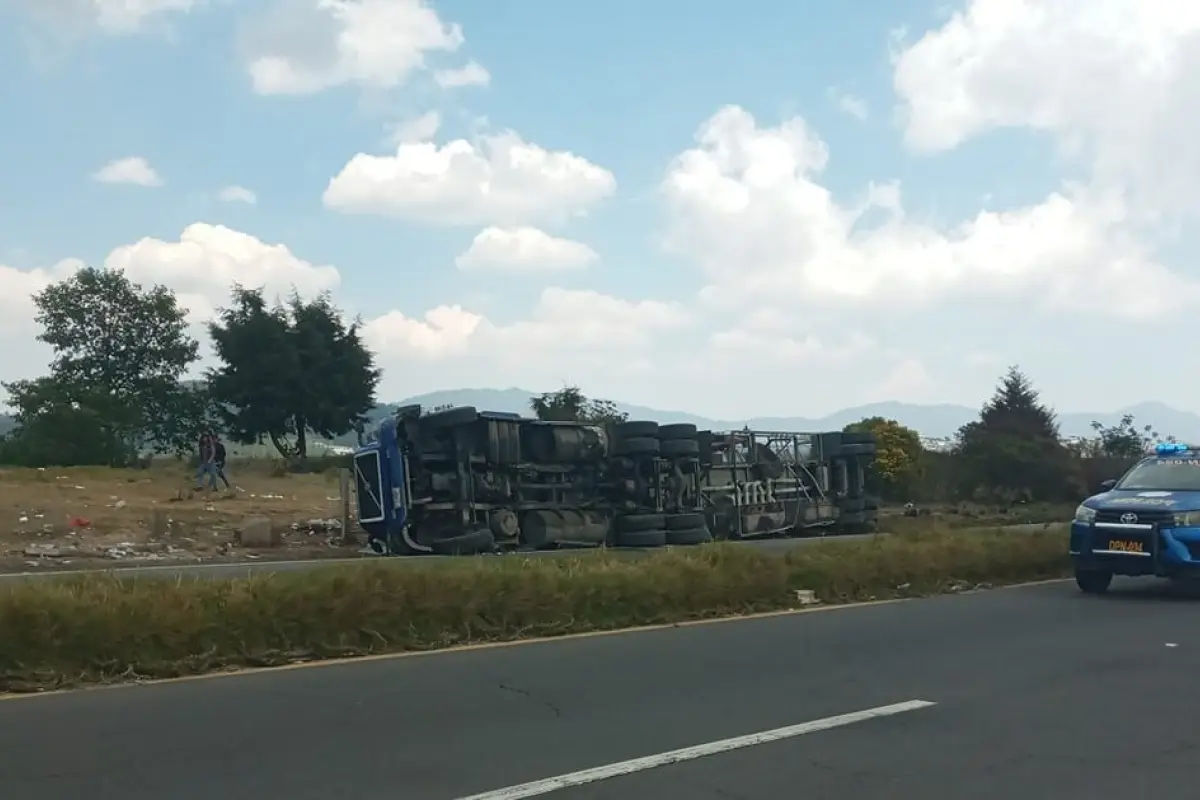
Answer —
970 515
99 628
59 516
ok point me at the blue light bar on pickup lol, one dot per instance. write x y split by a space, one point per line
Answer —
1171 448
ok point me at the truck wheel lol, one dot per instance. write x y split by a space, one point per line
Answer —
683 522
1093 581
677 430
640 522
680 447
638 446
689 536
641 539
636 429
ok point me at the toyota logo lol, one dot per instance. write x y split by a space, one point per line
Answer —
1129 518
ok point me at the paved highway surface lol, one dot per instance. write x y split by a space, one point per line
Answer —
1034 692
245 568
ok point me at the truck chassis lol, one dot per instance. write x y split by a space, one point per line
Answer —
462 481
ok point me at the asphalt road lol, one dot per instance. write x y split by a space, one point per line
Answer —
1036 692
245 568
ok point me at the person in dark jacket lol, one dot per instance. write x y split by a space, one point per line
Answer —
219 461
207 458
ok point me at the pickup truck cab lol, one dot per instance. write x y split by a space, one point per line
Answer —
1145 523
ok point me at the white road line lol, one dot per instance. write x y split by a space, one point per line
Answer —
547 785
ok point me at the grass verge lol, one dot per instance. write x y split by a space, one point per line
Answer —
95 628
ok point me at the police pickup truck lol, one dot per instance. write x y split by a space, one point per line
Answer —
1146 523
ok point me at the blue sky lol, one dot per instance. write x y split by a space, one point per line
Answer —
626 87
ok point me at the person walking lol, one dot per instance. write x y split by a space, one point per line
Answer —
219 461
207 462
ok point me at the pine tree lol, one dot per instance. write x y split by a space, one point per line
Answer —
1014 450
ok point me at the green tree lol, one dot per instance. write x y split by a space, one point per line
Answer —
114 388
569 404
289 370
1013 451
899 458
1124 440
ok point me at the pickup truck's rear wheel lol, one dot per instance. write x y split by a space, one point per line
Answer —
1093 581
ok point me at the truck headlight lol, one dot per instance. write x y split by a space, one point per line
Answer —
1085 515
1187 519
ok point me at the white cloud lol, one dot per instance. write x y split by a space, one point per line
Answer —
908 381
470 74
750 197
524 249
201 267
569 335
113 17
24 357
306 46
500 179
207 260
238 194
640 349
1115 82
418 129
850 104
133 170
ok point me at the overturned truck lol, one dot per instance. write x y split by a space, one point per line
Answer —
463 481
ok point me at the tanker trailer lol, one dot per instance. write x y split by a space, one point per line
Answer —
465 481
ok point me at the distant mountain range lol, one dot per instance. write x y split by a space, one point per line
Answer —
932 421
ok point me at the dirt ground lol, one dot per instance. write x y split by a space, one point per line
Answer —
68 518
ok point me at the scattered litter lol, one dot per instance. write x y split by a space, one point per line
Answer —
1172 644
120 504
78 487
47 550
318 526
806 597
80 522
23 518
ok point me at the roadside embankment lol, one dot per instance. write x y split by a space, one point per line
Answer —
100 628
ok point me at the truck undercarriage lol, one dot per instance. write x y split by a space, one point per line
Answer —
463 481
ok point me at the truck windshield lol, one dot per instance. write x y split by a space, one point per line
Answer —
1164 475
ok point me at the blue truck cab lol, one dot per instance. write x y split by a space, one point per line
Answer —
1145 523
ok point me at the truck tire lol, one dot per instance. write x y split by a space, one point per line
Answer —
466 544
1093 581
640 522
642 539
638 446
677 430
636 429
682 522
680 447
689 536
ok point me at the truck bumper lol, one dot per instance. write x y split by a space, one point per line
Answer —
1136 549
